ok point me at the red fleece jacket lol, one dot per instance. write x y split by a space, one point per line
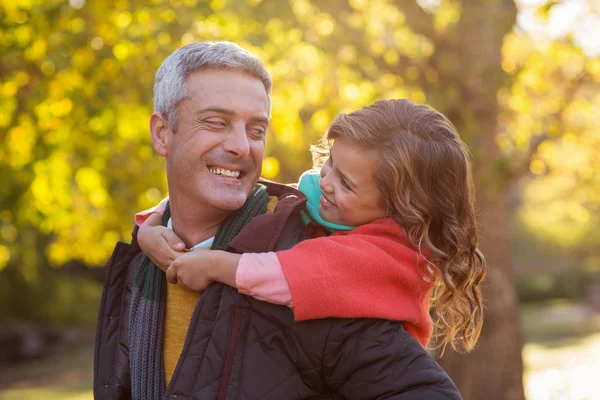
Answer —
369 272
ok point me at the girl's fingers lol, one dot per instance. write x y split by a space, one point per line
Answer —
173 240
172 274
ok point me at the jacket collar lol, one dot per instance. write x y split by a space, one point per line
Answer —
290 202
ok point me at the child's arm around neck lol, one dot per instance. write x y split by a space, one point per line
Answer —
197 269
259 275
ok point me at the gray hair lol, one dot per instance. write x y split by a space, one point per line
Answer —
169 85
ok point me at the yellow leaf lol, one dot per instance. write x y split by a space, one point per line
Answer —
36 51
270 167
537 167
4 256
320 120
121 51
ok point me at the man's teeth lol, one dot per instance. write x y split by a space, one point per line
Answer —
225 172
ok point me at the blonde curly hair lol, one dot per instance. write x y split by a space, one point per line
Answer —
425 177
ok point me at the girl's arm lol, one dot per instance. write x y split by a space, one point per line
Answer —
261 276
144 215
369 273
257 275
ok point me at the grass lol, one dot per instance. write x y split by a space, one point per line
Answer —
557 323
561 356
67 377
62 392
561 352
568 372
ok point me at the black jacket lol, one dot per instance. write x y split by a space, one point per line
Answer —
241 348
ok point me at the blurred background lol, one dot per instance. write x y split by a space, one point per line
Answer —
520 80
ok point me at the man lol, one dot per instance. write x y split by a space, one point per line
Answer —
155 341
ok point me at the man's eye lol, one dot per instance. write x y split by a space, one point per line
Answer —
218 123
258 131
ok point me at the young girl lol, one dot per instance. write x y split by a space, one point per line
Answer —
391 216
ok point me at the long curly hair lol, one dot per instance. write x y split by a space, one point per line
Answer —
424 174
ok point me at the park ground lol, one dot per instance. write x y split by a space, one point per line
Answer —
561 355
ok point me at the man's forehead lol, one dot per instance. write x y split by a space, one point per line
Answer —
226 80
228 89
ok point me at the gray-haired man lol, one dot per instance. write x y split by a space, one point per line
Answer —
158 341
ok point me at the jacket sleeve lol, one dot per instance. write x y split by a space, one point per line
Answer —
111 353
377 359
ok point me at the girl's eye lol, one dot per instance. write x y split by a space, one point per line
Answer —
345 184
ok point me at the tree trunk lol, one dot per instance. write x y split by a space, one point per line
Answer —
494 369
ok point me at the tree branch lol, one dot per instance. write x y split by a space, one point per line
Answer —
417 18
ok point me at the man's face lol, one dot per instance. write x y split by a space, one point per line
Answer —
215 157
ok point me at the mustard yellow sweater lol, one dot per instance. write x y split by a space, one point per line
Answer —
180 304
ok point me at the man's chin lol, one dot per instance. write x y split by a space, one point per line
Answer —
233 205
226 197
229 201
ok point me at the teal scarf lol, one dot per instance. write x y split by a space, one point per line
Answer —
309 185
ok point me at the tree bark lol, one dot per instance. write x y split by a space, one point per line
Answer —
494 369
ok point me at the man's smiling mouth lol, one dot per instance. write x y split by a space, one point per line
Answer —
225 172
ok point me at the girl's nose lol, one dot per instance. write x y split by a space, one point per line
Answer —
324 183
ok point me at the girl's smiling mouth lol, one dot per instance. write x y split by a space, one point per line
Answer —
325 202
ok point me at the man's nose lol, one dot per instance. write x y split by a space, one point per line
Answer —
236 142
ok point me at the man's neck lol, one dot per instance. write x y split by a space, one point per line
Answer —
194 226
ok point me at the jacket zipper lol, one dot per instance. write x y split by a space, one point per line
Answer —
231 346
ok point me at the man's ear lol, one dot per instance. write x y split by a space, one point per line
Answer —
160 132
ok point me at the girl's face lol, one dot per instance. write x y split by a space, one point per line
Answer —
350 195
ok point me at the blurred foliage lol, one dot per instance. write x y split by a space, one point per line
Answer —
545 269
76 81
58 299
548 286
549 113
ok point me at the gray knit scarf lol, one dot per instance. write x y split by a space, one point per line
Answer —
148 304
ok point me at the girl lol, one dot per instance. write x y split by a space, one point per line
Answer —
392 218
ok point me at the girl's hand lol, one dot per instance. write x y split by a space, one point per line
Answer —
192 270
159 243
201 267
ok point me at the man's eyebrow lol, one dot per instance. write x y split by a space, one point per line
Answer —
263 120
219 110
231 113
